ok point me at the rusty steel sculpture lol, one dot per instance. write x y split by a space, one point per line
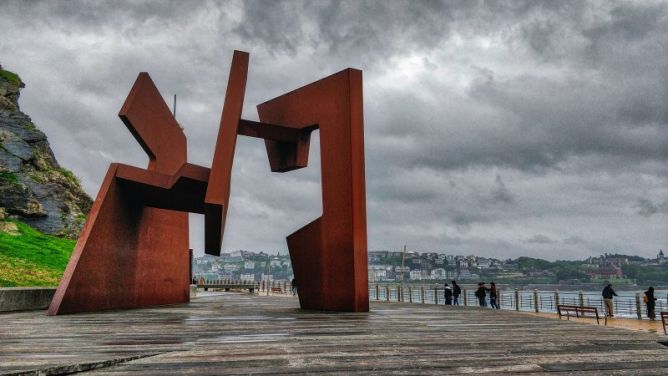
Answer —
133 250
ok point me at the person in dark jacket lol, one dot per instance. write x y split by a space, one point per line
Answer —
456 291
608 294
493 295
294 286
448 294
481 293
650 301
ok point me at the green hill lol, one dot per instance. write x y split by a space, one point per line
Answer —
31 258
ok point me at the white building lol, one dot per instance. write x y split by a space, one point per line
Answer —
230 267
438 273
416 275
377 275
247 277
484 263
250 265
380 267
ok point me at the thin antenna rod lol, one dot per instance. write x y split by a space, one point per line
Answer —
174 108
403 258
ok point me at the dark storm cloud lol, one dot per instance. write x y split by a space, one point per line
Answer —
540 239
572 105
501 192
574 240
488 125
368 29
647 208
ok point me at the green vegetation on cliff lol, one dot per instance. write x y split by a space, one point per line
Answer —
31 258
11 77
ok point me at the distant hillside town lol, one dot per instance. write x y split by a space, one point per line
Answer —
436 267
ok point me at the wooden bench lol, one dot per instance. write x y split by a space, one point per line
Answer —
664 319
568 310
276 290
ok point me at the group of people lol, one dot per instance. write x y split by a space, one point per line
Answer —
452 297
648 298
452 294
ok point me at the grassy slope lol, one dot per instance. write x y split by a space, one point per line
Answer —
32 258
10 76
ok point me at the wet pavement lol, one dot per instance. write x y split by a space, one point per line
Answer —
235 333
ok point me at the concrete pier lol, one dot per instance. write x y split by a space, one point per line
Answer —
236 333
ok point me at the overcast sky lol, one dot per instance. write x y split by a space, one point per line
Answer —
499 129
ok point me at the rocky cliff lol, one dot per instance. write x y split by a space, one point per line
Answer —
34 188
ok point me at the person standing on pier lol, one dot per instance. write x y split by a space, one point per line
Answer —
650 300
456 291
608 294
294 286
480 293
493 295
448 294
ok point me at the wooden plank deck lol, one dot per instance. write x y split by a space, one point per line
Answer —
233 333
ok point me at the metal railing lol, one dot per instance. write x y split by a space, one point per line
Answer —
262 287
625 305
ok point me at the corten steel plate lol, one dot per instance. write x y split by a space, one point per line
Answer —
133 250
218 193
329 255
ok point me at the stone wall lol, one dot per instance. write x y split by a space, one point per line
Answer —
25 298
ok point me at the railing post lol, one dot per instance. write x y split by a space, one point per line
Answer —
638 309
410 294
466 297
398 293
581 298
377 292
517 299
435 295
535 299
615 308
422 294
556 298
499 297
387 293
